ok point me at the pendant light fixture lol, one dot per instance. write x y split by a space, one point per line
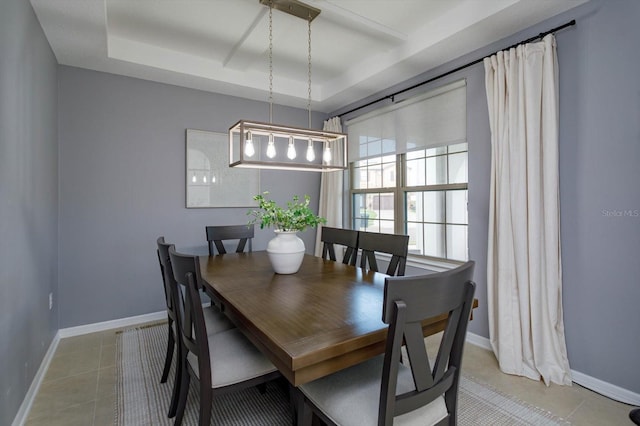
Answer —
272 146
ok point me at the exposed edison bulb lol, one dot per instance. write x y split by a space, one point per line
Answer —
311 155
271 148
249 150
213 179
291 150
204 179
193 178
326 156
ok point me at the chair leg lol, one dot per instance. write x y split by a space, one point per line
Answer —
177 381
184 391
205 403
171 343
303 413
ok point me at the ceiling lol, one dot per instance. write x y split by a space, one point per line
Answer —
358 46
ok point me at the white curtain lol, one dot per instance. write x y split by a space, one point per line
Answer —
330 205
524 270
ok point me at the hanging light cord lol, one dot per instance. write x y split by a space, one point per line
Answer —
271 62
309 100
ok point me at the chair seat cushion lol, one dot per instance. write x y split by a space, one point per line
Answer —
216 321
233 359
351 396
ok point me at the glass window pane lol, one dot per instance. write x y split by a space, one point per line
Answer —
415 172
359 221
384 205
388 175
434 237
388 145
358 179
437 170
457 248
363 147
375 176
458 168
386 227
457 207
434 207
414 230
413 205
375 147
372 225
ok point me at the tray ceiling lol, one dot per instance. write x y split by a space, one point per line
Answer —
358 46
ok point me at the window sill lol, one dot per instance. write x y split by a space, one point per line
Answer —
423 262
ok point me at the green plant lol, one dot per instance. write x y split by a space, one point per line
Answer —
297 216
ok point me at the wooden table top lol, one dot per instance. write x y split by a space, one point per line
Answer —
326 317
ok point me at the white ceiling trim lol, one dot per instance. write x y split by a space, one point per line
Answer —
379 45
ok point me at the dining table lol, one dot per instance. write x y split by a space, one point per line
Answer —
324 318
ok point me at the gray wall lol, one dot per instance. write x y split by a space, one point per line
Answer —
599 175
122 184
28 201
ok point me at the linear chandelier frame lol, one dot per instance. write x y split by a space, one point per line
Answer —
325 151
317 142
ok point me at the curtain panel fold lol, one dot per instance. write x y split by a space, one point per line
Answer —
330 203
524 267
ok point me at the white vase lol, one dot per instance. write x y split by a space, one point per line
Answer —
286 252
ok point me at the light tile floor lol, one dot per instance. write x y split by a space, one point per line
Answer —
79 387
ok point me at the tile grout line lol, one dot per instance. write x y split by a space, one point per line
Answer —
575 409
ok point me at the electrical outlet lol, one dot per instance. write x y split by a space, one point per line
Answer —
50 301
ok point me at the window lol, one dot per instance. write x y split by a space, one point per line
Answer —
435 198
407 179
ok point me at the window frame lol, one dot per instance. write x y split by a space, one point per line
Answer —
400 191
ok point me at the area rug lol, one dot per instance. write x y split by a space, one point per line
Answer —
142 400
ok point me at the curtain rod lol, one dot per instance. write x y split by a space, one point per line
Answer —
461 67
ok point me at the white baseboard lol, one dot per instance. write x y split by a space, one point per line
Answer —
603 388
607 389
108 325
27 402
478 340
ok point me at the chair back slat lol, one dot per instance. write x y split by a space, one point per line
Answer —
407 302
217 234
394 244
199 341
344 237
182 265
167 276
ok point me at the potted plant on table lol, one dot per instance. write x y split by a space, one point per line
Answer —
286 250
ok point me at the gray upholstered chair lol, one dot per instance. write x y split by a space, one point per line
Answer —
344 237
219 363
217 234
382 390
215 322
394 244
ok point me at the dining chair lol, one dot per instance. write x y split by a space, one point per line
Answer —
215 322
218 363
344 237
171 314
394 244
217 234
383 390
